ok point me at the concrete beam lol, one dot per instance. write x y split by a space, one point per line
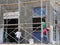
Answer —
30 2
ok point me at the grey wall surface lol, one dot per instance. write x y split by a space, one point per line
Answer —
26 17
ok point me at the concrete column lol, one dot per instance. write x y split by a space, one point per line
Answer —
1 26
51 33
57 35
57 30
1 35
51 24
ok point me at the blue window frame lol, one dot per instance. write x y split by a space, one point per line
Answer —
38 11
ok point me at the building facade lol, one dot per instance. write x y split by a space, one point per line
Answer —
29 15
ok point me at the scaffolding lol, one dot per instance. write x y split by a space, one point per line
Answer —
26 20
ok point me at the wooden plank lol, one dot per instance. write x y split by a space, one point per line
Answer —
58 3
30 2
10 10
9 4
25 44
58 25
23 24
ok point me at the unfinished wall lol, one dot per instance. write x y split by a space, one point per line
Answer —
25 18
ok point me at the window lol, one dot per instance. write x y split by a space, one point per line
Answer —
38 11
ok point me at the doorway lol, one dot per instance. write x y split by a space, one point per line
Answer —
37 28
10 27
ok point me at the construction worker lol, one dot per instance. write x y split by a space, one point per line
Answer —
43 25
18 34
45 37
45 32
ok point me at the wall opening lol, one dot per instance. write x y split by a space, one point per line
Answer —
37 23
10 27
